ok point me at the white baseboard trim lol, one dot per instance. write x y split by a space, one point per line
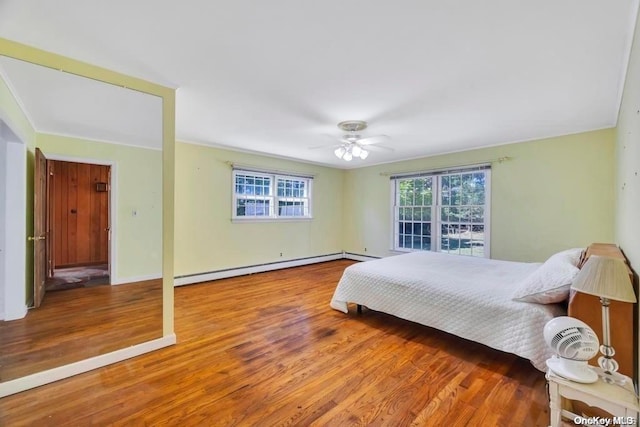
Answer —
45 377
260 268
18 313
132 279
359 257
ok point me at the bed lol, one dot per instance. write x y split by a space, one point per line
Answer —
501 304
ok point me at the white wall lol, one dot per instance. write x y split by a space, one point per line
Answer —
3 222
13 162
627 226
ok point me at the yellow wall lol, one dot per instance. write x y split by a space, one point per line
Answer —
11 113
207 240
139 188
553 194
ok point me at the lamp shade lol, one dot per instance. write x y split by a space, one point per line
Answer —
605 277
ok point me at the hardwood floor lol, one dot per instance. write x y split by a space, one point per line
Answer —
266 350
76 324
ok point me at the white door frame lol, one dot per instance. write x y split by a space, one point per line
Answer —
113 218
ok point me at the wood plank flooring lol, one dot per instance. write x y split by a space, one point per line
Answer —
75 324
266 350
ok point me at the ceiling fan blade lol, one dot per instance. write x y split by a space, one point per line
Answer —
336 142
379 148
373 139
316 147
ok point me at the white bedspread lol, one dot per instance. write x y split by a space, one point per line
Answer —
466 296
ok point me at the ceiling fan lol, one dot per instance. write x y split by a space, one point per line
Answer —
352 144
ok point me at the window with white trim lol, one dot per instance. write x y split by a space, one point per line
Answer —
260 195
443 211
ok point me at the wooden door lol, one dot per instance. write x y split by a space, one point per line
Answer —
39 227
50 207
80 214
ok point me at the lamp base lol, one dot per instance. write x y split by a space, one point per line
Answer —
574 370
611 377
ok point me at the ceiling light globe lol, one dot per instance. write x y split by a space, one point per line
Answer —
356 150
339 152
347 156
364 154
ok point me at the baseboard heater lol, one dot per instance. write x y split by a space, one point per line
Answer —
189 279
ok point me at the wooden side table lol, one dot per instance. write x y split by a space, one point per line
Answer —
620 401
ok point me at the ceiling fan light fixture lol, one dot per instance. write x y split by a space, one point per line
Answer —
352 144
352 125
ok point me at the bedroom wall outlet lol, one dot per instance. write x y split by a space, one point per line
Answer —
365 249
280 253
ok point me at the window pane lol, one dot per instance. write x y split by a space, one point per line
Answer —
287 208
455 183
255 196
477 215
426 243
444 214
462 199
428 191
417 229
417 214
466 190
418 192
477 240
257 207
406 192
425 214
479 183
408 227
240 208
464 214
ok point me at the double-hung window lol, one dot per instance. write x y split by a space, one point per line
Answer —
263 195
444 211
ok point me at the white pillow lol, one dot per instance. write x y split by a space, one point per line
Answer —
550 282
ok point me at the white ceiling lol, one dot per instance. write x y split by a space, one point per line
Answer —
276 77
65 104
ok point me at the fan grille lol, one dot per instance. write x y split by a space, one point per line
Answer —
575 343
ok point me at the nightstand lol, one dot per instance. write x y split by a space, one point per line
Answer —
619 401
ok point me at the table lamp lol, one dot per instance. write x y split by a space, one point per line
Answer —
608 279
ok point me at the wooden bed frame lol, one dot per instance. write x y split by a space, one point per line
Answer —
622 319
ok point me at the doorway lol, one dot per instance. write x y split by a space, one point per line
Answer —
78 222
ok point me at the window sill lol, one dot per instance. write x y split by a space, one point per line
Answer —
271 219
